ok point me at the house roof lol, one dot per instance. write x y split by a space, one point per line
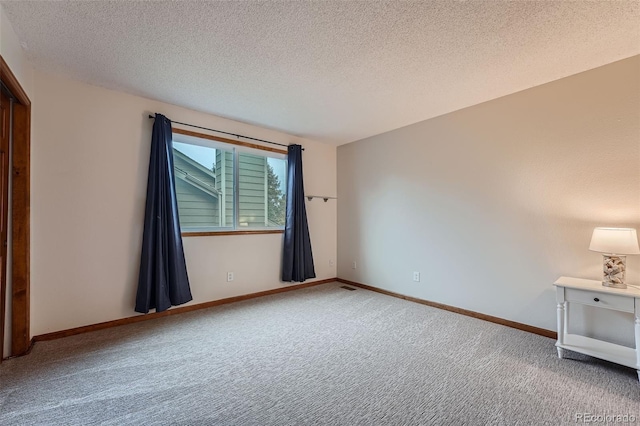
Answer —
194 174
333 71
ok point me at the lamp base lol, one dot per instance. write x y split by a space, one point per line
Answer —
613 269
613 285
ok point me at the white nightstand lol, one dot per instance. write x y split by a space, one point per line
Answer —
593 293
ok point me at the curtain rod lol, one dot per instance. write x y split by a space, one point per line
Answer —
226 133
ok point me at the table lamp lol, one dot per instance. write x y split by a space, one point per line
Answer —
614 244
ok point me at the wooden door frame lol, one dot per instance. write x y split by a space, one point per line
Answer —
5 115
20 170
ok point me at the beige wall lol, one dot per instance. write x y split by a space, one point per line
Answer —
13 54
491 204
90 153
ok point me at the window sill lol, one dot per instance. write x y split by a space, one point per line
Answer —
220 233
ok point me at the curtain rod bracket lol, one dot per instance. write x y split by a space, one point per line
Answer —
324 197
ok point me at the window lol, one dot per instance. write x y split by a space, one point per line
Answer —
224 186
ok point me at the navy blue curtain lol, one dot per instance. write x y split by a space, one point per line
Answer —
297 259
163 279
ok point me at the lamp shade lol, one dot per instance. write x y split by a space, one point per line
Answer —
615 241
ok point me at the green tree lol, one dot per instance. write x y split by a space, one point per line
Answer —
277 202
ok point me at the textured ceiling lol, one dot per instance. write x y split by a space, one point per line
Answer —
333 71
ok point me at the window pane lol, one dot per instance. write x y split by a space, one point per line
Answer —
277 197
209 198
199 186
261 191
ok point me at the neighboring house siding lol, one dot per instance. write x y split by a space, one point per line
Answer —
196 193
200 191
252 176
196 208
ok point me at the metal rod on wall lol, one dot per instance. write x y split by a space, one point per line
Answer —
226 133
324 197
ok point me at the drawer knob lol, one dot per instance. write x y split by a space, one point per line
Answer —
595 299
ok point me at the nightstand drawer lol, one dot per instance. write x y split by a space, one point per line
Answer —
601 300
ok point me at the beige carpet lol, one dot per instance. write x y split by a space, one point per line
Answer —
319 356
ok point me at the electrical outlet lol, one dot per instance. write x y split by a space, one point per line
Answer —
229 277
353 265
330 262
416 276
